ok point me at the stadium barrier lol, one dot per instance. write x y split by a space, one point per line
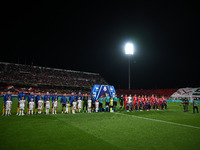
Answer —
171 100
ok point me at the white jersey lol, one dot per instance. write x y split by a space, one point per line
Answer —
74 105
67 108
129 99
31 105
40 104
79 103
55 104
48 104
67 105
89 103
21 104
8 104
97 104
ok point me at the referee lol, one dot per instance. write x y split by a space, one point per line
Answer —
121 101
85 102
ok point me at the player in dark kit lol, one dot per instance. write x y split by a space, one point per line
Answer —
31 96
63 101
93 102
19 97
55 96
71 100
165 103
85 102
148 105
101 103
195 105
121 101
6 97
140 104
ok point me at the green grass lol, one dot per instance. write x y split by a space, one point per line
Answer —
101 130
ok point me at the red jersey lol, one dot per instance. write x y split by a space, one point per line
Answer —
138 99
125 100
152 98
160 101
155 100
142 99
145 99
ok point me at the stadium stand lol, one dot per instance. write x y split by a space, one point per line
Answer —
165 92
37 78
45 78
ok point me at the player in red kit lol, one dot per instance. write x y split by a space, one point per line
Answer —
125 101
145 102
151 100
134 101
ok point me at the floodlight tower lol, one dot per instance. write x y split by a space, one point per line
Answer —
129 50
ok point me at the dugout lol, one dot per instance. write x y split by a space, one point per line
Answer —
98 90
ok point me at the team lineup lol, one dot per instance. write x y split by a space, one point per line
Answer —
76 104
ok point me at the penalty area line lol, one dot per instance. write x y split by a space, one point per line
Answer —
178 124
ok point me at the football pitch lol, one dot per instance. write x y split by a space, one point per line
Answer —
163 129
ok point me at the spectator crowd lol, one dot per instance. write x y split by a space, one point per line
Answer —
27 75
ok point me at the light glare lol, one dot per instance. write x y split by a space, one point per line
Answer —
129 49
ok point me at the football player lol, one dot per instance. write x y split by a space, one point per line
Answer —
31 105
21 106
8 106
79 104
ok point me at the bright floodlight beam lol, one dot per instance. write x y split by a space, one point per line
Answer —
129 49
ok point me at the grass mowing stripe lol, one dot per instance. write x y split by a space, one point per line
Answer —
160 121
92 138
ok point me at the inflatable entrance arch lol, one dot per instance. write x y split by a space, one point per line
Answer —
98 90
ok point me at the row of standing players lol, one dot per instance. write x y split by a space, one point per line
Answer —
144 102
43 103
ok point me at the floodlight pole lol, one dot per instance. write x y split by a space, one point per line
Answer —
129 77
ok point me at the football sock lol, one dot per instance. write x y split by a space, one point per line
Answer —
3 110
35 110
17 109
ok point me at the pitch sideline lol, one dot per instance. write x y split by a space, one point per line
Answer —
160 121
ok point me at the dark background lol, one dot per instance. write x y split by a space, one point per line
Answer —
90 36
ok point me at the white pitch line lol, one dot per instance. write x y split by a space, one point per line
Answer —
160 121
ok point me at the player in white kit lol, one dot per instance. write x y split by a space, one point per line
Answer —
47 106
89 105
55 105
21 106
8 106
67 107
40 104
74 107
31 105
79 104
97 105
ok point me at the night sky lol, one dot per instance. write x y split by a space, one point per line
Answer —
90 36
